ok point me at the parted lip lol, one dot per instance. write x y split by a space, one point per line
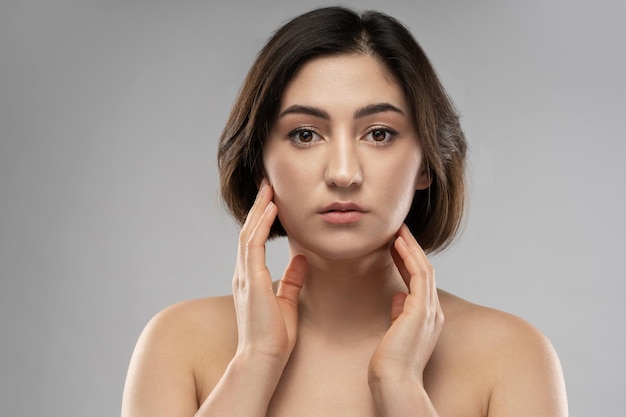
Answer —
342 206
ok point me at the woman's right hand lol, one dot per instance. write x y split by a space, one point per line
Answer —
267 323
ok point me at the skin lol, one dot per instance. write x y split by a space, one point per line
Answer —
355 326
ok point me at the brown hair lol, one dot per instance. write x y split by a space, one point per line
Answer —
436 212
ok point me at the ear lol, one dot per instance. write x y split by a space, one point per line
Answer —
424 178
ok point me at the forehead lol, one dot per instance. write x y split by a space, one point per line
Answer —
347 79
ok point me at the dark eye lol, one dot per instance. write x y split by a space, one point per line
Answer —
303 136
380 135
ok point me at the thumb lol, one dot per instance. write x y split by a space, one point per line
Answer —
292 280
397 305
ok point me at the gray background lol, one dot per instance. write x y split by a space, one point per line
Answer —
109 118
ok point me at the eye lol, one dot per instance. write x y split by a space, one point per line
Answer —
380 135
303 136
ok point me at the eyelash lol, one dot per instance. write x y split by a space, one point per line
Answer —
390 132
293 135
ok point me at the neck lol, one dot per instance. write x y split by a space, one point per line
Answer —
349 298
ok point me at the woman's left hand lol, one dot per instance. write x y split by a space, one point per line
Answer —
416 318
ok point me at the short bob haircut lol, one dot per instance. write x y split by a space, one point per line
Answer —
436 212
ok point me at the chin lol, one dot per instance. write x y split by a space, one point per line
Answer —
341 248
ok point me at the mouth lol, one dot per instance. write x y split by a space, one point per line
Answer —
342 213
342 208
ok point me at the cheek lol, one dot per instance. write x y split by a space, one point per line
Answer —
402 189
279 173
289 184
287 178
272 166
289 170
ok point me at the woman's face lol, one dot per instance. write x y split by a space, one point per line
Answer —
343 157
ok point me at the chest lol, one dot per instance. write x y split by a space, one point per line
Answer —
336 385
323 384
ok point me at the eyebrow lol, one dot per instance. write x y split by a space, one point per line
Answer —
308 110
362 112
376 108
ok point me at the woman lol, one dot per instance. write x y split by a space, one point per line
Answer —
343 140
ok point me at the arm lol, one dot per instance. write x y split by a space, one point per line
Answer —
401 398
397 366
168 359
527 373
161 378
245 389
522 374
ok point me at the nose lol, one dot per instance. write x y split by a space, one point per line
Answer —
343 166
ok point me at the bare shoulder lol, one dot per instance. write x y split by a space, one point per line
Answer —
494 329
182 349
517 359
206 324
210 314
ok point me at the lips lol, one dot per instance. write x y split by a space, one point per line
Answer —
342 213
339 206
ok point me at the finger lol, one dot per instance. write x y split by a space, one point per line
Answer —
236 279
263 197
255 246
397 259
412 243
423 288
256 213
291 283
397 305
416 263
409 263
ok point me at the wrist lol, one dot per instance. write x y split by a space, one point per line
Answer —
405 381
254 364
403 395
246 387
379 377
